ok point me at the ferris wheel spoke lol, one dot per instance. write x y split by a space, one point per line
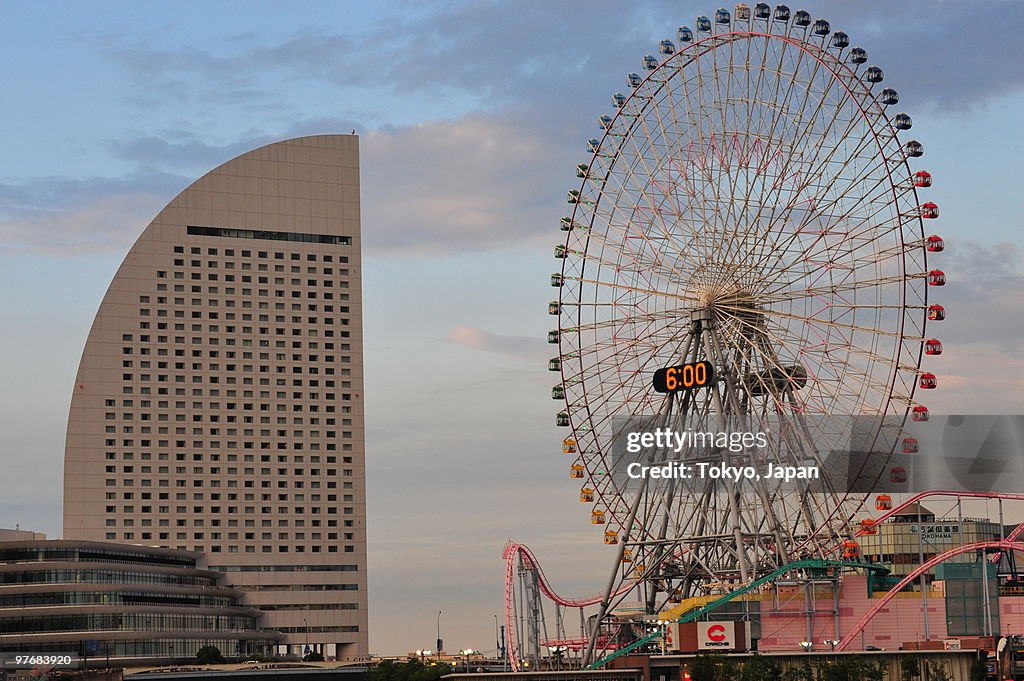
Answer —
748 205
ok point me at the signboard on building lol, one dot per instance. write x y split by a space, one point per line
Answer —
951 644
716 635
694 637
937 531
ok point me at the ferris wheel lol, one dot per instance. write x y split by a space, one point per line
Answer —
746 251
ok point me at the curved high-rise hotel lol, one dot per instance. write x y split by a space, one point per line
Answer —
218 407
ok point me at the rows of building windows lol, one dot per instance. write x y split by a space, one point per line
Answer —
22 600
104 577
268 235
298 587
285 568
309 606
350 629
171 648
34 555
238 376
142 621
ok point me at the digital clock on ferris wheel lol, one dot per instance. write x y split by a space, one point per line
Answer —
684 377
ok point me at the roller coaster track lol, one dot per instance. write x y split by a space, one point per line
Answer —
514 551
1003 545
950 493
808 564
511 554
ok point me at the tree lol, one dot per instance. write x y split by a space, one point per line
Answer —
801 671
910 669
937 671
875 671
979 670
760 668
209 655
413 670
706 667
313 656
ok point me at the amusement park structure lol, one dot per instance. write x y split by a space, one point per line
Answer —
746 253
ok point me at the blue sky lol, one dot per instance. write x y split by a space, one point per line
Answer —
472 117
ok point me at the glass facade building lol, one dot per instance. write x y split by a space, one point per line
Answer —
122 604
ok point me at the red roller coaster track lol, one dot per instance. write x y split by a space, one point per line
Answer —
511 553
514 551
1004 545
950 493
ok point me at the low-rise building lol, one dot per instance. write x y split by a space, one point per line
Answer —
125 604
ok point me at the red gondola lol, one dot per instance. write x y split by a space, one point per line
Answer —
929 210
851 549
919 413
936 313
928 381
883 502
897 475
935 244
922 178
910 446
936 278
867 526
932 346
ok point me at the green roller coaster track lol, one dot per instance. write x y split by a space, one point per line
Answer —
808 564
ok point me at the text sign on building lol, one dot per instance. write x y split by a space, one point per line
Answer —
716 635
937 531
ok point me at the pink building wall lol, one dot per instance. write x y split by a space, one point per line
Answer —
784 624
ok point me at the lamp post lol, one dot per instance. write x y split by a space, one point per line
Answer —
440 643
305 624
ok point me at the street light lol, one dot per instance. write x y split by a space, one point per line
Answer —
831 642
305 624
806 645
440 643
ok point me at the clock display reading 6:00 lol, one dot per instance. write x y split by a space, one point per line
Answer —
688 376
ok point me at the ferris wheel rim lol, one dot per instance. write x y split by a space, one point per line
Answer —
906 400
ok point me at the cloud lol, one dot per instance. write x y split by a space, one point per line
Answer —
177 149
499 53
311 54
984 293
103 226
518 347
473 184
980 368
476 183
74 217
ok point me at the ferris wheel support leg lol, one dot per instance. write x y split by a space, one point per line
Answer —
740 409
627 528
734 511
660 551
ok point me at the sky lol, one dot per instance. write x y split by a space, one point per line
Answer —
472 116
